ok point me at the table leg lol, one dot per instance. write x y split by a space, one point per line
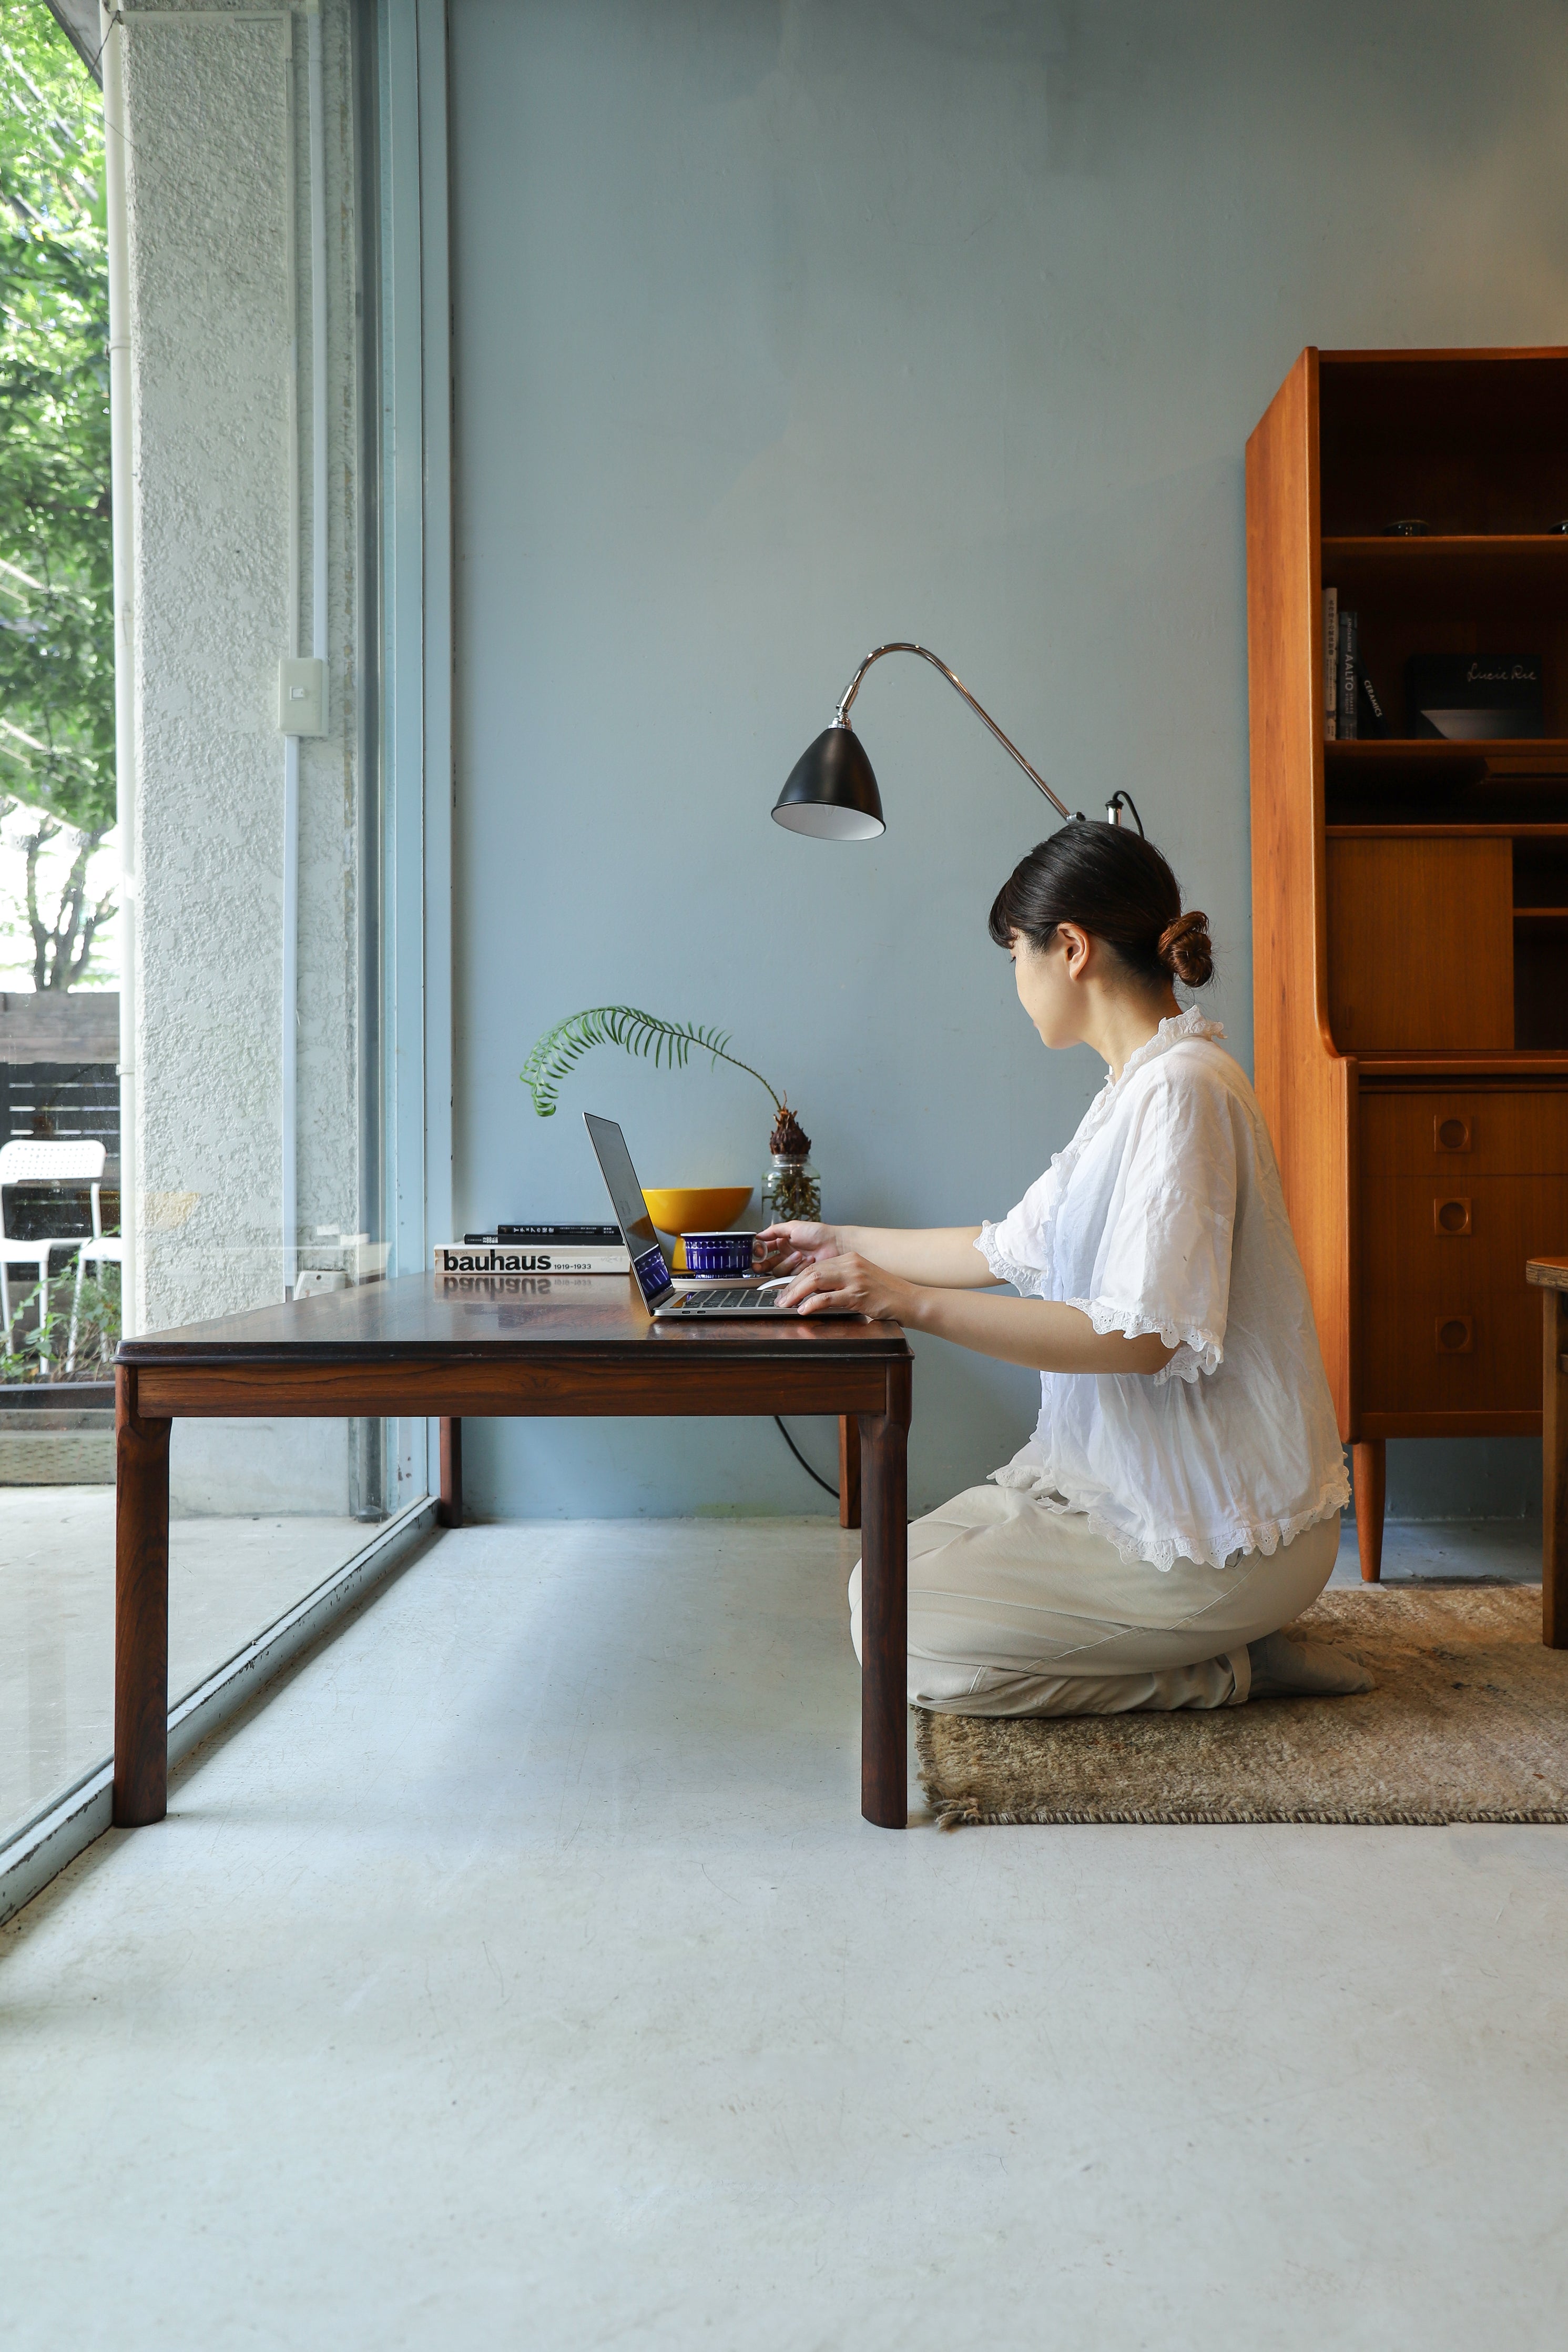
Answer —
884 1623
1554 1473
449 1505
140 1609
1369 1467
849 1470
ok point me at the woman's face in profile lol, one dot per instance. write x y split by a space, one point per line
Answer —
1051 983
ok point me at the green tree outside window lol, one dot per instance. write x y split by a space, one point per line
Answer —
56 597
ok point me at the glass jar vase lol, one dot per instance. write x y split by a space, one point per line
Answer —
791 1191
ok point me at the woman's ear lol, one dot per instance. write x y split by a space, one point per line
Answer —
1075 948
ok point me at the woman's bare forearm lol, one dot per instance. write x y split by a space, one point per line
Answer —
942 1254
1043 1333
1039 1332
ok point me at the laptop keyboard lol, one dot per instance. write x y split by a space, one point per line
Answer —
727 1302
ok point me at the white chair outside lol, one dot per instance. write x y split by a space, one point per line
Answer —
49 1164
103 1249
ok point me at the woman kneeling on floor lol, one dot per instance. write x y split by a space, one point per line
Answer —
1179 1500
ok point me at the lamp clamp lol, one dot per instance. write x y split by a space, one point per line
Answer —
1116 803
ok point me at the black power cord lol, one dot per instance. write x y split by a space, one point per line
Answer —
801 1459
1125 800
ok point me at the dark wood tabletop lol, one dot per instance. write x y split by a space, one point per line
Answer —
482 1345
486 1317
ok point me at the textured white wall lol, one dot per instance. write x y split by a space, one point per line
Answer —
218 209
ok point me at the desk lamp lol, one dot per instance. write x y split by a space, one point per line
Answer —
832 791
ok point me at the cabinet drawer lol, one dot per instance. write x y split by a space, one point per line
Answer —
1447 1322
1468 1132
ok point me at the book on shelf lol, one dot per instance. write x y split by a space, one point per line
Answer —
1475 698
1353 708
1345 728
529 1258
1371 716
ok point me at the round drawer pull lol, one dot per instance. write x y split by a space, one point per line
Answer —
1450 1134
1451 1217
1456 1334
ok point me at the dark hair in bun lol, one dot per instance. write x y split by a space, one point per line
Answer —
1116 885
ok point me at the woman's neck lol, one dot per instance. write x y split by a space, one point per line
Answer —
1124 1021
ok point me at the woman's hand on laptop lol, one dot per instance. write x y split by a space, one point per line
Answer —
850 1283
829 1272
782 1248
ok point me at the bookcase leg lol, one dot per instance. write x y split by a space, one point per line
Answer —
1555 1474
1369 1462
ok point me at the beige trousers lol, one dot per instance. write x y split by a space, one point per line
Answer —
1014 1610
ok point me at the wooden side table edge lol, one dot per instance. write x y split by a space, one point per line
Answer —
1551 1276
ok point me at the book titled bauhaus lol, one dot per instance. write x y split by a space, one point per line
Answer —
510 1257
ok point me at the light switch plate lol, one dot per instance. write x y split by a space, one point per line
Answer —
302 698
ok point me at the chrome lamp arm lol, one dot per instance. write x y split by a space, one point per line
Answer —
958 684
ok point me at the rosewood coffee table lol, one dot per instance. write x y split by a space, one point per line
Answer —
493 1347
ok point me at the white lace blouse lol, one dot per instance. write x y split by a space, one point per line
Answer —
1164 1213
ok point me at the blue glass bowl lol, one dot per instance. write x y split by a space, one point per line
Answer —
724 1254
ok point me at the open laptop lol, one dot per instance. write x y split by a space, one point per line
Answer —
648 1257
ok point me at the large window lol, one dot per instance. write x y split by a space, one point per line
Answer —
196 987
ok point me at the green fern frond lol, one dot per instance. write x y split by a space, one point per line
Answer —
668 1044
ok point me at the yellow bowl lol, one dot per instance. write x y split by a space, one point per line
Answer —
695 1208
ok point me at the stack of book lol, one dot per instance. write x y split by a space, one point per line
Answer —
1351 705
536 1249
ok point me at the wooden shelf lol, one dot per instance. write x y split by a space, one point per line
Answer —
1518 786
1524 755
1522 1062
1537 560
1418 828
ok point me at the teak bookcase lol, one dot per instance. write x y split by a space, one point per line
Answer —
1410 898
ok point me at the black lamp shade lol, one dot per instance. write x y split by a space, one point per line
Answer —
832 791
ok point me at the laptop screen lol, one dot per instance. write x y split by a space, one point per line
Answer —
631 1209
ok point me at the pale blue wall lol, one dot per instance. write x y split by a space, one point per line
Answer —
784 328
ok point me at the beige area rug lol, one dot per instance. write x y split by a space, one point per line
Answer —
1469 1723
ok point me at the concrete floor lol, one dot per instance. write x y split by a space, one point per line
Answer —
228 1580
522 1975
1449 1551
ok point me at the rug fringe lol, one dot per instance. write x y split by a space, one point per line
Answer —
958 1813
